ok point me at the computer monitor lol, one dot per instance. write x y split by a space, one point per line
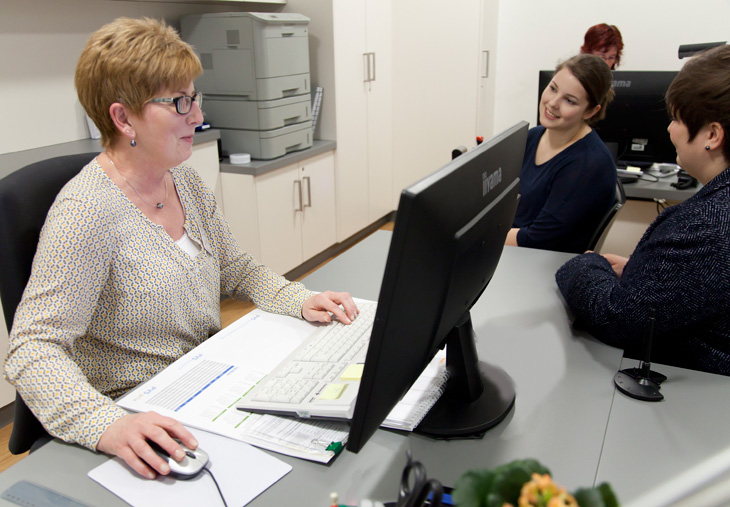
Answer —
635 126
449 234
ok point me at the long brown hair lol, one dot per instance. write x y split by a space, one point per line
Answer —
595 77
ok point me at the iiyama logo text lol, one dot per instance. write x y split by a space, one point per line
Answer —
489 181
621 83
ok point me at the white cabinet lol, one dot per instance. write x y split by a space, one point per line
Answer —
296 212
436 58
487 60
408 86
286 216
239 208
205 161
362 65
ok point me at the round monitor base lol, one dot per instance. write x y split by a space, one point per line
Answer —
453 418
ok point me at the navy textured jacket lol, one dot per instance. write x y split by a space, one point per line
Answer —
563 200
681 269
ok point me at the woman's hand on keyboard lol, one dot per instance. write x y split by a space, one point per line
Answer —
323 306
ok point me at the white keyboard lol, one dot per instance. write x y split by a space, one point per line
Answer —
322 376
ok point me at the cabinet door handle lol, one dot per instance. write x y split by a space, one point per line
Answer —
309 192
369 67
366 67
298 191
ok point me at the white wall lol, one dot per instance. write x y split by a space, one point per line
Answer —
535 34
41 41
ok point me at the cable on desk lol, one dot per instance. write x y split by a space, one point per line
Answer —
661 205
216 485
652 178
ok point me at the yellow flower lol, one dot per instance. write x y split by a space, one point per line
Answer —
541 491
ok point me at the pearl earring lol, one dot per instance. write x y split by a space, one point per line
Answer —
133 143
707 148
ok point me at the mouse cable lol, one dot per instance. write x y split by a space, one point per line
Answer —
648 177
216 485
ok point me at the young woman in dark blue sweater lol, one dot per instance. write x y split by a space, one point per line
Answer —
568 178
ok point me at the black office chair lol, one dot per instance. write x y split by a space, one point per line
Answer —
598 236
25 198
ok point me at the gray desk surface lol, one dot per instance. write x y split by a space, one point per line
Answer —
662 189
564 400
647 444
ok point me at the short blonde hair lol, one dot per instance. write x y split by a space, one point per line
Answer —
130 61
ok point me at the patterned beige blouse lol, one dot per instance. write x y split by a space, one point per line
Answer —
112 299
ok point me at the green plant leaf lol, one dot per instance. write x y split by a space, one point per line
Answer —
471 489
507 485
492 488
609 497
588 497
602 496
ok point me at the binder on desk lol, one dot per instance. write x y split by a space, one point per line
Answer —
419 399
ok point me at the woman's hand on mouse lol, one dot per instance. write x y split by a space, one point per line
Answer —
127 438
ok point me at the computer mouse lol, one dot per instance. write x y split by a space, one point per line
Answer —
190 466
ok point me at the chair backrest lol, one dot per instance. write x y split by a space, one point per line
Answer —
599 236
26 195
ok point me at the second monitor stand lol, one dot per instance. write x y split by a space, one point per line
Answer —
478 395
641 383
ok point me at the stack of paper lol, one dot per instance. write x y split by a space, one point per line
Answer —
202 388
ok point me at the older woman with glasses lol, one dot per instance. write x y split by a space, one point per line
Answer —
134 256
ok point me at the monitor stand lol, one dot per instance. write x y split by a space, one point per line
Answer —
478 395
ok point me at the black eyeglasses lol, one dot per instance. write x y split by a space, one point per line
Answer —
183 104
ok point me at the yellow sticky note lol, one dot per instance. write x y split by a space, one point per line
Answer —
352 372
332 391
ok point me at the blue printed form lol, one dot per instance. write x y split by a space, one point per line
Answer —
201 388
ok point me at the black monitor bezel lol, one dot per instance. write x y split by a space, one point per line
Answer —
386 377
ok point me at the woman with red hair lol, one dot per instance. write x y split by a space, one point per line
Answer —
605 41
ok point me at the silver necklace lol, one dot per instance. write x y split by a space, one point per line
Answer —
159 205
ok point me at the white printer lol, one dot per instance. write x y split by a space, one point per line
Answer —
255 79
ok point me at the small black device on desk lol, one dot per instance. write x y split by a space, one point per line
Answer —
684 180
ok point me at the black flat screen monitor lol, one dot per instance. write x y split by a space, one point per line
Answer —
635 126
449 234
